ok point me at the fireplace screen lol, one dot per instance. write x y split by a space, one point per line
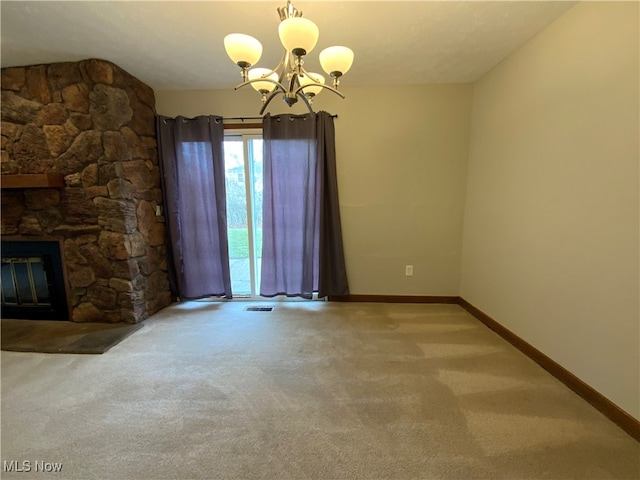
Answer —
24 282
32 281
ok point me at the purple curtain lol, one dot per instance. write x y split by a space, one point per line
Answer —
332 278
302 248
192 166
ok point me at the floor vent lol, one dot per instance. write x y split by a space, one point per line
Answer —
258 309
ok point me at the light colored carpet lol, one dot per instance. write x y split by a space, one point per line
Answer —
314 390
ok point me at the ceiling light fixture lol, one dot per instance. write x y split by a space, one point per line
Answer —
289 78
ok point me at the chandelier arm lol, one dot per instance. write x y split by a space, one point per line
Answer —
292 83
263 78
299 89
316 84
260 79
291 66
304 99
304 70
285 64
280 65
268 100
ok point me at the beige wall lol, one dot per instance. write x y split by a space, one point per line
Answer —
402 155
551 222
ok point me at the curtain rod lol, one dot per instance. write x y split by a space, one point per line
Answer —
242 119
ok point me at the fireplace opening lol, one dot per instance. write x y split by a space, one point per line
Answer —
32 281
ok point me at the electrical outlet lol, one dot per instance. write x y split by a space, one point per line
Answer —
158 211
408 270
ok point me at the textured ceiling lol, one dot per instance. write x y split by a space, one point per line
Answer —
175 45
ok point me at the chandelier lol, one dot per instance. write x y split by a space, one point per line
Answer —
289 78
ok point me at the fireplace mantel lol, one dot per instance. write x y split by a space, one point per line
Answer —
32 180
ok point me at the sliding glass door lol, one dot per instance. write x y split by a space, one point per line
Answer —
243 172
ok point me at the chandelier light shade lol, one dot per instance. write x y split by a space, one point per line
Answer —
313 82
243 49
336 59
298 35
289 78
264 86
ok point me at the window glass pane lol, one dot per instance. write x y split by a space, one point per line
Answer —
255 155
243 170
237 227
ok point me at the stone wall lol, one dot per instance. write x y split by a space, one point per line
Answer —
95 124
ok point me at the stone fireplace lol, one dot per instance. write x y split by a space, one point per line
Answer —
80 167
